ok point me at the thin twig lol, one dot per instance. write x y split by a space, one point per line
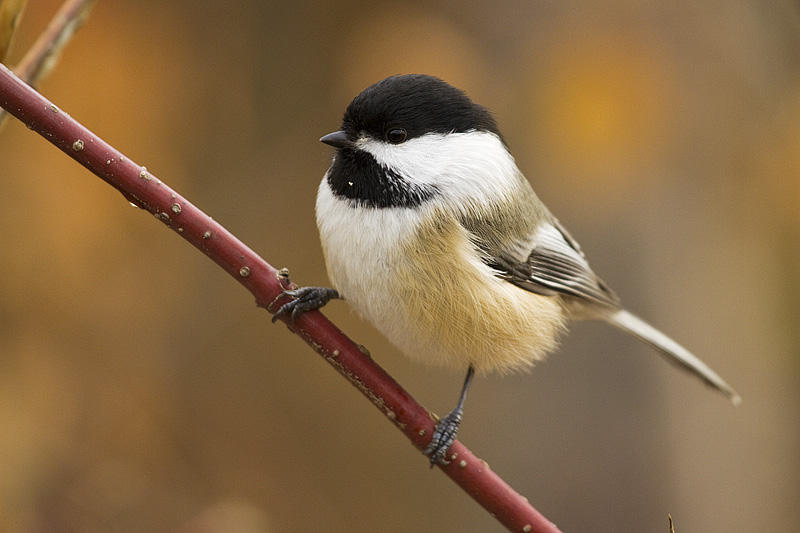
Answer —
10 14
145 190
42 56
45 51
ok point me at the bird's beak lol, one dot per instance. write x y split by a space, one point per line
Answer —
337 139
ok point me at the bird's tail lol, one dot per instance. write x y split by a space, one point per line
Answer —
674 352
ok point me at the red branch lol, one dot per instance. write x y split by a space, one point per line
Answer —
148 192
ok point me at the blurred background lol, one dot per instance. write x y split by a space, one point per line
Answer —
142 390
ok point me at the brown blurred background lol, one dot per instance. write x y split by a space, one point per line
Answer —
142 390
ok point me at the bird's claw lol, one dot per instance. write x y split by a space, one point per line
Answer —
443 437
304 299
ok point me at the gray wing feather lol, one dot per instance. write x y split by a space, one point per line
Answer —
556 265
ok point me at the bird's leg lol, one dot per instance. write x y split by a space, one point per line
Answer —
305 299
446 429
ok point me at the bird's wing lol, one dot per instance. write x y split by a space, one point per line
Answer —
555 265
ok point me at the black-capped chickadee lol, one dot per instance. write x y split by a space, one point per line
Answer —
433 234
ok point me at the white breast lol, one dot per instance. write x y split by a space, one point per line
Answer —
414 273
362 247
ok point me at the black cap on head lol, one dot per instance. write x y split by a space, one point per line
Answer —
418 104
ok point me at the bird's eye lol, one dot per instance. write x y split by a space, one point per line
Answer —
396 135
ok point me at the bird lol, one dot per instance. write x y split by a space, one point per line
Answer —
433 234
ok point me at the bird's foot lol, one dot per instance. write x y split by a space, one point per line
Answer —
305 299
443 437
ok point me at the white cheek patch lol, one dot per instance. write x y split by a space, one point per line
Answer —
467 168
